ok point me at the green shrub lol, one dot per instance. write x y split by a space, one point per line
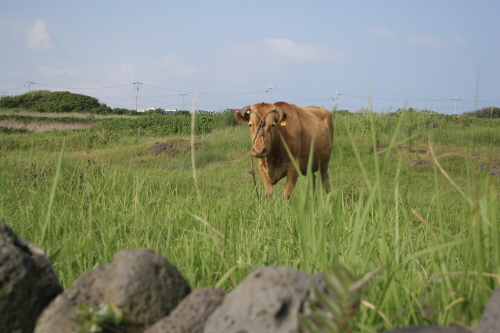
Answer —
159 124
56 101
8 130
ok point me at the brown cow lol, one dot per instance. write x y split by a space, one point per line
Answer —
272 125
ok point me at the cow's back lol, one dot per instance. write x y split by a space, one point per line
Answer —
311 123
324 115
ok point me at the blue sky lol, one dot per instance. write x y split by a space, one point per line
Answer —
421 54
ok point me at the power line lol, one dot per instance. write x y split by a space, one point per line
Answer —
7 89
270 89
304 98
85 88
203 93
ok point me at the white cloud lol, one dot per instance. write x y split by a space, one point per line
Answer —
39 39
459 41
127 70
176 65
60 72
437 42
382 33
173 68
431 42
274 58
288 50
428 42
285 51
118 73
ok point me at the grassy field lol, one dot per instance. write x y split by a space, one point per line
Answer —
415 195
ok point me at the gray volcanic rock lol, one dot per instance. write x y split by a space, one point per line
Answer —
490 322
140 282
191 313
268 300
28 282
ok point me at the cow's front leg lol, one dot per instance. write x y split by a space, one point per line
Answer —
291 179
264 174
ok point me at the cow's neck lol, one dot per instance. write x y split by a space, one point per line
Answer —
278 153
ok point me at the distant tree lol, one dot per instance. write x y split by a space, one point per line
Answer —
8 102
123 111
488 112
341 112
102 109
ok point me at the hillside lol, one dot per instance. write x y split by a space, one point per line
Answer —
412 193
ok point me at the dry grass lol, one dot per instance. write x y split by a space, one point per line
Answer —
44 126
49 126
66 114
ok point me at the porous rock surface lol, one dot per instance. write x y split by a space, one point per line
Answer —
268 300
28 282
490 321
191 313
155 296
140 282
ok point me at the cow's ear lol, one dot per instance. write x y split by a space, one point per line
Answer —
243 115
281 114
283 120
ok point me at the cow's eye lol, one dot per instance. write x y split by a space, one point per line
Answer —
249 125
273 124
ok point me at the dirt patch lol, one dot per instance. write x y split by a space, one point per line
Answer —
419 156
418 151
171 148
416 163
493 167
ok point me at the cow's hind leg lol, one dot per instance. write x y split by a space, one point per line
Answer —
325 178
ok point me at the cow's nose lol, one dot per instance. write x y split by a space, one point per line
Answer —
258 151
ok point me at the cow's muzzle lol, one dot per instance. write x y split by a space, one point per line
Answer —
259 152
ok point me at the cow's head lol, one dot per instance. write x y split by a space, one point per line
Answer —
263 120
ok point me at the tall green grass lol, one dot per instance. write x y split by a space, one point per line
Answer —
432 228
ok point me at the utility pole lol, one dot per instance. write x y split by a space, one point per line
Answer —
270 91
336 99
29 83
456 100
477 87
137 86
183 94
370 100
